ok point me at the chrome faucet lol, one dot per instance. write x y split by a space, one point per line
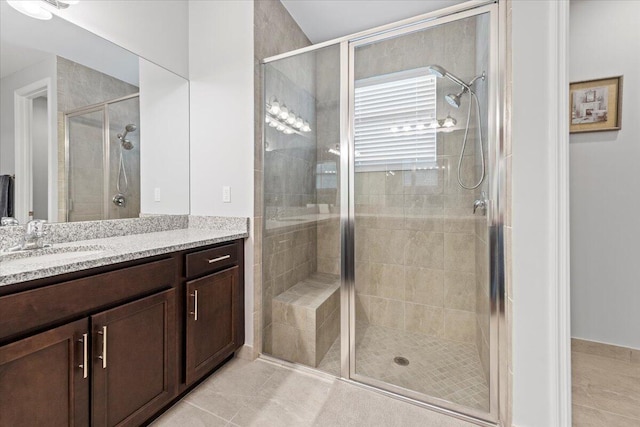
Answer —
480 203
33 237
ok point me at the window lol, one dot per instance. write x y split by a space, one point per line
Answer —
394 121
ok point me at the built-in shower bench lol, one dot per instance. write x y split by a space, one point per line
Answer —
306 319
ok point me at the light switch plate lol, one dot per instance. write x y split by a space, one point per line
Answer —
226 194
156 194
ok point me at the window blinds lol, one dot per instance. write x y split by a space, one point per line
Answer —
394 116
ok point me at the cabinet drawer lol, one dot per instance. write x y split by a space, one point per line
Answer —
210 260
31 310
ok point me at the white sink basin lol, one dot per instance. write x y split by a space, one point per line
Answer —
49 255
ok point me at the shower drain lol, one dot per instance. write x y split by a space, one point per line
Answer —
402 361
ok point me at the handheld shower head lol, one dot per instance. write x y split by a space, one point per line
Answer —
127 144
440 72
436 70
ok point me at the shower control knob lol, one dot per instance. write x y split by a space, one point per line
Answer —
119 200
481 203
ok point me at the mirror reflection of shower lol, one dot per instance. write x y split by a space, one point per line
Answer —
454 101
125 144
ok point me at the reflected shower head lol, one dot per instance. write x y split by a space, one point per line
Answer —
127 144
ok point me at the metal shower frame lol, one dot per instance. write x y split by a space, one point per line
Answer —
106 154
496 79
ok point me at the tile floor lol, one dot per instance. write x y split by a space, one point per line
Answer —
437 367
261 393
606 386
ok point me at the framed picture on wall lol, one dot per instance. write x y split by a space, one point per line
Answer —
596 105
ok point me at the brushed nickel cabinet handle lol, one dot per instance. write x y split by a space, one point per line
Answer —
103 332
85 350
195 305
220 258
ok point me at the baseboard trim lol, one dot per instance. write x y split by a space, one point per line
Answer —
611 351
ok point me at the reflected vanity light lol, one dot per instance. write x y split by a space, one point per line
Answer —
284 120
36 8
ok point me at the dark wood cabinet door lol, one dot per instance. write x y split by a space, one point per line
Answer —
212 320
133 360
44 379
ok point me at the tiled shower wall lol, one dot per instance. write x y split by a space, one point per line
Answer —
80 86
416 238
328 136
275 32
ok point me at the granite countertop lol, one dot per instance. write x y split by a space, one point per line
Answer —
80 255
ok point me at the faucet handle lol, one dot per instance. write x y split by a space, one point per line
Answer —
36 227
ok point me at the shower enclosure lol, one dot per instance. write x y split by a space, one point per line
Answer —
102 161
382 238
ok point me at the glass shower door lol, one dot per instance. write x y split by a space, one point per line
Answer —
421 317
302 187
84 166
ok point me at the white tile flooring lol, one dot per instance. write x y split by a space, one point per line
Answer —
261 393
437 367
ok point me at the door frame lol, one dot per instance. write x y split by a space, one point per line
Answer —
23 121
495 215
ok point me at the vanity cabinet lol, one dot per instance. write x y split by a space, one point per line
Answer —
133 362
116 345
214 295
43 381
123 356
211 324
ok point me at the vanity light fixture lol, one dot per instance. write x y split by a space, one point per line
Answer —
36 9
285 120
449 122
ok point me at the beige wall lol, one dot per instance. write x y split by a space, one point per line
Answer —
420 256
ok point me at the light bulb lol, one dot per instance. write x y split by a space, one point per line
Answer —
305 127
420 126
275 107
291 119
434 124
394 129
30 8
267 119
284 112
449 122
273 123
280 127
287 131
298 123
406 128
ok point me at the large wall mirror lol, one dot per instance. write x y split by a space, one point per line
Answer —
89 130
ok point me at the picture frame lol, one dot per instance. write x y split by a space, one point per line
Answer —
595 105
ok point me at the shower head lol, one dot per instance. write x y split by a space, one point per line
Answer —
437 70
440 72
127 144
453 99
